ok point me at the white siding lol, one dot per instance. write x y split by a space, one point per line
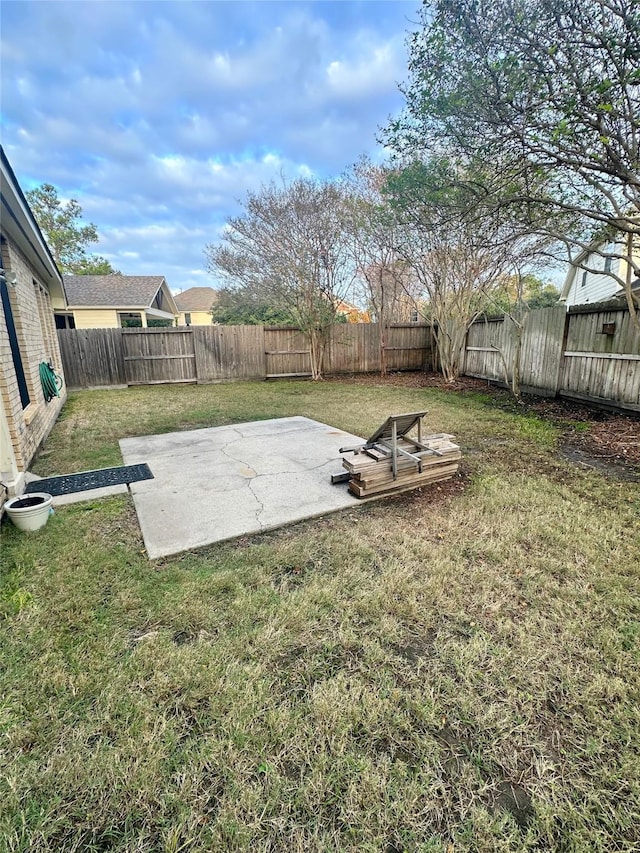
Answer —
588 287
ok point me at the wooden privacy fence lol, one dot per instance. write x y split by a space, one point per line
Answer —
101 357
588 352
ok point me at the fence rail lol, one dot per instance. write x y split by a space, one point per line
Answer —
101 357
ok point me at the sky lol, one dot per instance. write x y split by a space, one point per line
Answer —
158 117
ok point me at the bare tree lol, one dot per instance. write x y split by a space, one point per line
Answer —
457 275
290 247
373 237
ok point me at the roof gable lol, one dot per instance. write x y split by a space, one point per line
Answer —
112 291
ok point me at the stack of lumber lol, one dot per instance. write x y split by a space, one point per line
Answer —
371 468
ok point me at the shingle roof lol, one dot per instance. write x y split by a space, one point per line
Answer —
196 299
635 288
122 291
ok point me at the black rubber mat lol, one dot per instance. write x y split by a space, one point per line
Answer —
70 483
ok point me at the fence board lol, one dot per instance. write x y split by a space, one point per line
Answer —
409 347
564 352
229 352
542 350
92 357
286 352
158 355
599 366
353 348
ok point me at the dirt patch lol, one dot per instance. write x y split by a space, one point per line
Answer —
416 646
511 797
417 379
617 470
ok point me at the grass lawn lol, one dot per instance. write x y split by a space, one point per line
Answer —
457 669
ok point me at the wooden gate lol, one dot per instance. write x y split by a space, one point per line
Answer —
158 356
286 352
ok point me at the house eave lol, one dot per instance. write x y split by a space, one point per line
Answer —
19 224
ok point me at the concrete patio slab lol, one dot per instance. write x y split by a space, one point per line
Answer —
218 483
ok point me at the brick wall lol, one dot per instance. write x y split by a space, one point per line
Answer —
37 341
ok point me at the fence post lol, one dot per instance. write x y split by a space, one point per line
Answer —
463 366
561 352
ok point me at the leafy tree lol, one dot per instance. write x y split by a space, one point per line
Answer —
243 308
539 294
527 290
66 236
546 89
95 265
457 246
290 247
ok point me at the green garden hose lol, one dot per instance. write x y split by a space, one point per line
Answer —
51 381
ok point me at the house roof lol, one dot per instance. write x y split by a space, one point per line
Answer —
635 288
196 299
121 291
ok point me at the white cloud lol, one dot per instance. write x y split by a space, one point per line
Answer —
377 68
159 117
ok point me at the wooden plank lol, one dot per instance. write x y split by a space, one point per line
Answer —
364 466
373 479
162 330
157 357
286 375
405 349
413 481
483 349
288 352
165 382
398 490
607 355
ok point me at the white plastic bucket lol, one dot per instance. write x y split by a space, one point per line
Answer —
29 512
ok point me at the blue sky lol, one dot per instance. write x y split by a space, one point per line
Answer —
158 117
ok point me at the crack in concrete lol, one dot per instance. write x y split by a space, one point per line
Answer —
249 480
259 502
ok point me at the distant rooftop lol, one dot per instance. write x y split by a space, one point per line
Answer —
196 299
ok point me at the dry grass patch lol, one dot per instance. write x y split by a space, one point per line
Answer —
453 670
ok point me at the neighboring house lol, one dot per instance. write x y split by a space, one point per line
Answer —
115 301
596 275
30 286
194 306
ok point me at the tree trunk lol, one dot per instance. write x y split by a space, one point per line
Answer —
317 344
450 340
